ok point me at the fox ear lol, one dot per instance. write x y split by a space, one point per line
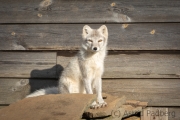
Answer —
86 31
103 29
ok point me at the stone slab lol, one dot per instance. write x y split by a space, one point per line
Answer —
113 103
136 103
48 107
131 110
133 118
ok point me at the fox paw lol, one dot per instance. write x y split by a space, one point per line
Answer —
104 104
98 105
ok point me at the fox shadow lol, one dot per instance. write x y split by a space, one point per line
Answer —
45 78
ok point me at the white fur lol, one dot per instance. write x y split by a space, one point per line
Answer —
84 71
51 90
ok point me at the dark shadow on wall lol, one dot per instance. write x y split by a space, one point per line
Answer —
45 78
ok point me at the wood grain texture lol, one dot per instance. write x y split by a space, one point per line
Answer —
159 36
154 113
101 11
117 65
174 113
135 64
28 64
12 90
169 113
157 92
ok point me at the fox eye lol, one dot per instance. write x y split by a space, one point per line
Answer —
89 40
100 41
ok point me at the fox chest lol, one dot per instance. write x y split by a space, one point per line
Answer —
95 64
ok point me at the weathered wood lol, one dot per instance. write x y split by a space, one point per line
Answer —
161 113
135 64
12 90
159 36
101 11
174 113
154 113
117 65
28 64
157 92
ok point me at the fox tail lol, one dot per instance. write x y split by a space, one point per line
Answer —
46 91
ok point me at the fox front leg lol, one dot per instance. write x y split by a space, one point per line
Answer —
100 102
88 89
87 85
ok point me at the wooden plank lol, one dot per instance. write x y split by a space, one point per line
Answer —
117 65
159 36
12 90
157 92
165 113
135 64
101 11
174 113
154 113
28 64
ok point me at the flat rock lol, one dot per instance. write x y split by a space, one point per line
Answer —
136 103
131 110
116 115
133 118
48 107
113 103
123 112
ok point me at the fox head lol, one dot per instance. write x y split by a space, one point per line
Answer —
94 40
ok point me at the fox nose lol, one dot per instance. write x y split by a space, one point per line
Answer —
95 48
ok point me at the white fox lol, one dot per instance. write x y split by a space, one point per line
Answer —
84 71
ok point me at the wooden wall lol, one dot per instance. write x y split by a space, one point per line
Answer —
38 37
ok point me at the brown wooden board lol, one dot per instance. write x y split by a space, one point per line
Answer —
154 113
135 64
117 64
161 113
28 64
157 92
174 113
12 90
159 36
91 11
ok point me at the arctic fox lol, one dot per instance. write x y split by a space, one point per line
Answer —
84 71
